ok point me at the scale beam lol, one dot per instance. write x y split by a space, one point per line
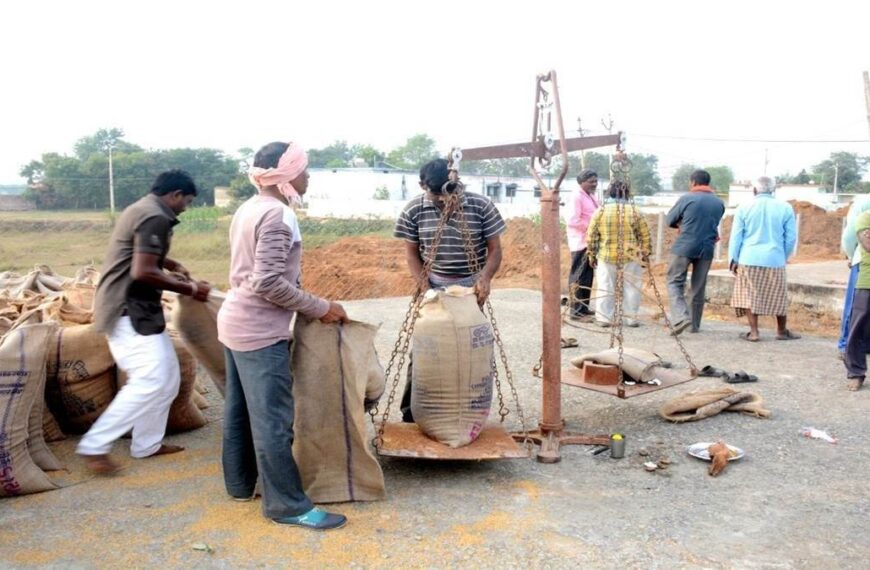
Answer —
537 148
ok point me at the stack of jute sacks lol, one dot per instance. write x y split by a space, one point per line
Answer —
56 371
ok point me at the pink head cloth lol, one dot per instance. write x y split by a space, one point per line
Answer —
292 163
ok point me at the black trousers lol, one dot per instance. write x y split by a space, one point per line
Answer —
859 335
580 283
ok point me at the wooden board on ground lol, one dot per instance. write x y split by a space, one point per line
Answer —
574 377
406 440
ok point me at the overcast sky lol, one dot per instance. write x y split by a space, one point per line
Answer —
233 74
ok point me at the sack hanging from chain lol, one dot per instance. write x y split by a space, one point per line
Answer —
453 360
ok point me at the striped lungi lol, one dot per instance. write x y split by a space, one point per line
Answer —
760 290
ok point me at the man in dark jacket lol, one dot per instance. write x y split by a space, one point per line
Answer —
696 215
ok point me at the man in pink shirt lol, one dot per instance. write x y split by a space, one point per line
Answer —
581 205
254 327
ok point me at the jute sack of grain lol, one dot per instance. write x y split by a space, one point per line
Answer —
197 324
335 372
50 428
81 377
22 380
184 414
451 389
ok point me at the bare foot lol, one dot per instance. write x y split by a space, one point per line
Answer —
101 464
166 449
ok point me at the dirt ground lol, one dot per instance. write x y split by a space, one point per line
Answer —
792 502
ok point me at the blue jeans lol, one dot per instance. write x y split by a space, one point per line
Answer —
258 430
847 308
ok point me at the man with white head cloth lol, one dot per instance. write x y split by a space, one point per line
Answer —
254 327
762 238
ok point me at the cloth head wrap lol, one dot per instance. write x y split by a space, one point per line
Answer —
292 163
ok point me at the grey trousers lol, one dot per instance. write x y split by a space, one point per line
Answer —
858 341
678 267
258 430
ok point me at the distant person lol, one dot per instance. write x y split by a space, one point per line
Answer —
762 238
127 308
417 225
858 340
850 248
696 215
602 248
581 206
254 327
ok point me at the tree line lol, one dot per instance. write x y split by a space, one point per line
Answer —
81 180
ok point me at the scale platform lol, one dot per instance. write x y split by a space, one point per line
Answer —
407 441
573 376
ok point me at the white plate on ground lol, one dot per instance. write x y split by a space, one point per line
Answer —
699 450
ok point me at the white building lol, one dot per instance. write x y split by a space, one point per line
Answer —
741 193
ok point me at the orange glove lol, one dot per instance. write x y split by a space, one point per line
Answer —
719 453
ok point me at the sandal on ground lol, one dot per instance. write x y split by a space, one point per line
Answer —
569 342
315 519
712 371
788 335
854 384
740 377
745 336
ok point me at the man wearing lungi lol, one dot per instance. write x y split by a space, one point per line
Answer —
762 238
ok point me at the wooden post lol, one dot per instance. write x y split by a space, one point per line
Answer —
660 237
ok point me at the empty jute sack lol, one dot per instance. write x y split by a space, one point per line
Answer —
196 322
703 404
22 381
335 371
452 350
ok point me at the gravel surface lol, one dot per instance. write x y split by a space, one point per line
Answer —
792 502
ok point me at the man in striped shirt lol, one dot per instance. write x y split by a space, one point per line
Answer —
417 225
419 220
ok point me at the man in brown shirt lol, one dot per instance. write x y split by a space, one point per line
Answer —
127 309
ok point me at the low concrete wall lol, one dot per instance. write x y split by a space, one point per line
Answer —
827 298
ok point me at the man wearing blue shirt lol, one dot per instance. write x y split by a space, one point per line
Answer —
762 237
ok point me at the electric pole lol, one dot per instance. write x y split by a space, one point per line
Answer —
111 186
582 152
836 175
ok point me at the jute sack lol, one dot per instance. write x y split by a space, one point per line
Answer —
36 440
705 403
50 428
197 324
22 379
335 371
81 377
184 414
451 389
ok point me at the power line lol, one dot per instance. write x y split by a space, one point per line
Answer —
783 141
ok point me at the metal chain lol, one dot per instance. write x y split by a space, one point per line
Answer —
400 349
474 263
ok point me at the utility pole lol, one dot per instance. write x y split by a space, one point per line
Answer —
582 152
765 162
111 186
608 126
836 175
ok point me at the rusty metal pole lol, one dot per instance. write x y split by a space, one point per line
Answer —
552 425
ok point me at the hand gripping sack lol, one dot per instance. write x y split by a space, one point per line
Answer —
196 322
451 390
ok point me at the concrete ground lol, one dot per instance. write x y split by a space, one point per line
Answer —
792 502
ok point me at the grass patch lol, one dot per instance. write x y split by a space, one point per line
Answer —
66 240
